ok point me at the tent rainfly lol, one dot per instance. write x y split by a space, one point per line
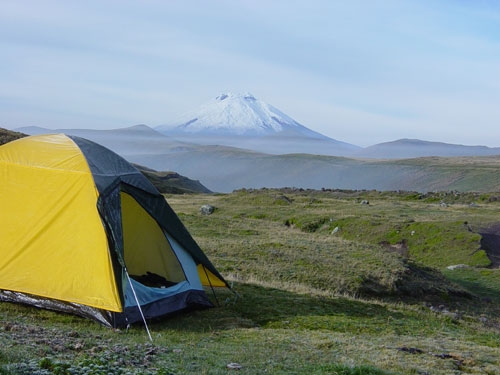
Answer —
83 231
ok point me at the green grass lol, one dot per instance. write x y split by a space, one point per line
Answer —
308 299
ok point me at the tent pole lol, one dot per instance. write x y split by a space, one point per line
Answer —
138 305
211 286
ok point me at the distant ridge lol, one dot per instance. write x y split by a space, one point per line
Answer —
223 168
34 130
138 130
415 148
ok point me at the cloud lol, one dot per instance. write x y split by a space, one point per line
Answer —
378 70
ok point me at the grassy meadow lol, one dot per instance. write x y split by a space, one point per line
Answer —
324 282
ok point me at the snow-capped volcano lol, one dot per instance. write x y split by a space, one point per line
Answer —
242 120
237 114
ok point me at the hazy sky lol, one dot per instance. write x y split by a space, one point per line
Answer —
362 72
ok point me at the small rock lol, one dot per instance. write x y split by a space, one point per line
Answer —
207 209
234 366
457 267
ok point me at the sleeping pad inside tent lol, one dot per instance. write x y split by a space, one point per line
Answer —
83 231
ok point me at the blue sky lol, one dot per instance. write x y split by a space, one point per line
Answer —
362 72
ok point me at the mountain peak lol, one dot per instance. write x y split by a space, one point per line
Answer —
231 96
237 114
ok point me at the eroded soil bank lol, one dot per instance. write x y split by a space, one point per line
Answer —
490 242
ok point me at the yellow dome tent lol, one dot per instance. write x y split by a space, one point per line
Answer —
83 231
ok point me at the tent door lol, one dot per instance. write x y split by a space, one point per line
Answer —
148 254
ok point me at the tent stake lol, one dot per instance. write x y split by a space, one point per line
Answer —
138 305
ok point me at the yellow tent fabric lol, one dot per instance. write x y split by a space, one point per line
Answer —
52 242
207 278
146 248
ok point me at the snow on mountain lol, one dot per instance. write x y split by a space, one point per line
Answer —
237 114
243 121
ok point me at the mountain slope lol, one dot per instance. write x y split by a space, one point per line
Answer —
9 135
241 120
172 182
224 170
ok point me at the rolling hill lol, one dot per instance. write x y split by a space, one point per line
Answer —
224 169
